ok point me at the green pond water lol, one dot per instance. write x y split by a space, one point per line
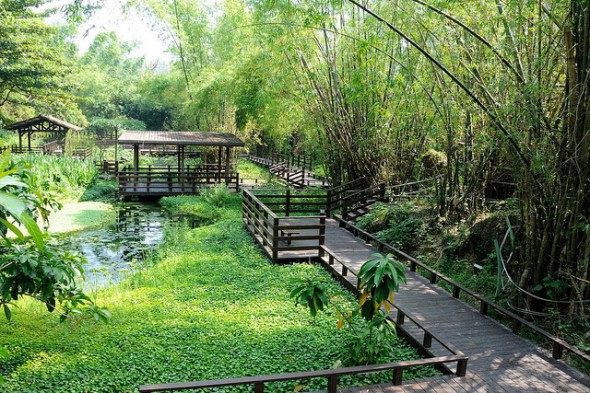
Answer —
115 250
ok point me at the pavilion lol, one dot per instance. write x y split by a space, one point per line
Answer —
47 126
160 181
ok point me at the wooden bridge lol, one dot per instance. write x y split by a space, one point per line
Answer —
478 353
295 171
149 180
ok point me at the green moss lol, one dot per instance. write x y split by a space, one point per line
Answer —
79 216
207 305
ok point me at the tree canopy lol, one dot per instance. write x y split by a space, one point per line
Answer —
482 93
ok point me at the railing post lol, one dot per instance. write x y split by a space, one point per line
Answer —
322 232
433 278
398 374
333 384
557 350
329 203
258 387
400 319
516 327
427 341
287 200
483 307
344 208
456 292
461 368
275 242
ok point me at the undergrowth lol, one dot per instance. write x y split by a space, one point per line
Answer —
206 305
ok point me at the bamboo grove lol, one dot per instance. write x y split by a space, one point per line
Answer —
406 89
400 90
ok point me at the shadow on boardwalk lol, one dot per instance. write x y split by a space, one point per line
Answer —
499 361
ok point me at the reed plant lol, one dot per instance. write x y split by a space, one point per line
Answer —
63 177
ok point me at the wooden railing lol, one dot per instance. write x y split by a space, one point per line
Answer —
152 180
331 375
299 161
360 199
335 195
82 152
25 149
108 167
329 261
277 234
287 202
485 305
414 188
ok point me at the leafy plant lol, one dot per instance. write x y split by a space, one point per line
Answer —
34 268
379 277
312 295
371 331
218 195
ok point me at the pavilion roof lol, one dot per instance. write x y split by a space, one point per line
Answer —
180 138
26 124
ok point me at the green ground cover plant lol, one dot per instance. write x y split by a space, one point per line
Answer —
206 304
61 177
79 216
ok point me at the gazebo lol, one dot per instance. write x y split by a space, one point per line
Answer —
44 124
159 181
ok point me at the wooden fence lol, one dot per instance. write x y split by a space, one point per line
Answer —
160 181
332 376
287 236
485 305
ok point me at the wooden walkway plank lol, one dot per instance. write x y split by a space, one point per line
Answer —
499 361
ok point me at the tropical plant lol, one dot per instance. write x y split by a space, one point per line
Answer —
368 323
36 267
218 195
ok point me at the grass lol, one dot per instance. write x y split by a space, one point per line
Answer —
79 216
65 178
206 305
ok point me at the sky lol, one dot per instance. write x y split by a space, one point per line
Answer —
129 25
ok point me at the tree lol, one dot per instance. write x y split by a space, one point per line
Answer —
34 70
36 267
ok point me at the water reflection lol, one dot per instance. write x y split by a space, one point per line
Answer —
114 250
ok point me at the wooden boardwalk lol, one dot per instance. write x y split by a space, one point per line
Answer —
499 361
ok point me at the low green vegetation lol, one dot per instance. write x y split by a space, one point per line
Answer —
249 170
79 216
206 304
395 224
61 177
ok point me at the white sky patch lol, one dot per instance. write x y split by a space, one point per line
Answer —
129 25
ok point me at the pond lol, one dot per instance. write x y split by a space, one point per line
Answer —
116 249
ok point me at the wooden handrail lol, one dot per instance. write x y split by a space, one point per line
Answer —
332 375
402 314
518 322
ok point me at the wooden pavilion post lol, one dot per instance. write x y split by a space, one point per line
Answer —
29 139
20 142
227 156
219 164
135 160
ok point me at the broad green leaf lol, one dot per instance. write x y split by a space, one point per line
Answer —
7 312
12 204
12 228
33 230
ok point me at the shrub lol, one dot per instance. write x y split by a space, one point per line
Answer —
395 224
217 195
